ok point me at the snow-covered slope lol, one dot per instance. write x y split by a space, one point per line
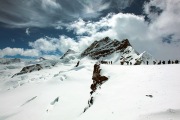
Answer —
62 92
137 93
145 56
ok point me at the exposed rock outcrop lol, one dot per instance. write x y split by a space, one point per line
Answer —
36 66
29 69
77 64
98 80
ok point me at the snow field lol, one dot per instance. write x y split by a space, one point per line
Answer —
124 96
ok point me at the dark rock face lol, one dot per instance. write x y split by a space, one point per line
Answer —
105 47
151 96
97 78
29 69
77 64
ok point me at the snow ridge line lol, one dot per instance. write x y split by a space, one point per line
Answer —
29 100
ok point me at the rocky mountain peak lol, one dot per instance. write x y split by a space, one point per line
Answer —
124 44
107 49
104 47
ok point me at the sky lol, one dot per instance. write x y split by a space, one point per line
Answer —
48 28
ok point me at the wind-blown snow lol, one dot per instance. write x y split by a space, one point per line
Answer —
62 92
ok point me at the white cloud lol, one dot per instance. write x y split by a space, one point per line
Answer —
129 26
48 47
50 3
91 6
18 51
30 53
116 26
45 44
27 31
80 27
65 43
121 4
168 21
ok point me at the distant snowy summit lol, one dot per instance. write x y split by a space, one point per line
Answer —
68 53
70 56
9 60
116 51
40 59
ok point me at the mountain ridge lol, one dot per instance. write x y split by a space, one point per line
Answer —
111 50
105 47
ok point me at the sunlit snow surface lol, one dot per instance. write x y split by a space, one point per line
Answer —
125 96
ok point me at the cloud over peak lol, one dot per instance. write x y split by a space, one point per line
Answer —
168 22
